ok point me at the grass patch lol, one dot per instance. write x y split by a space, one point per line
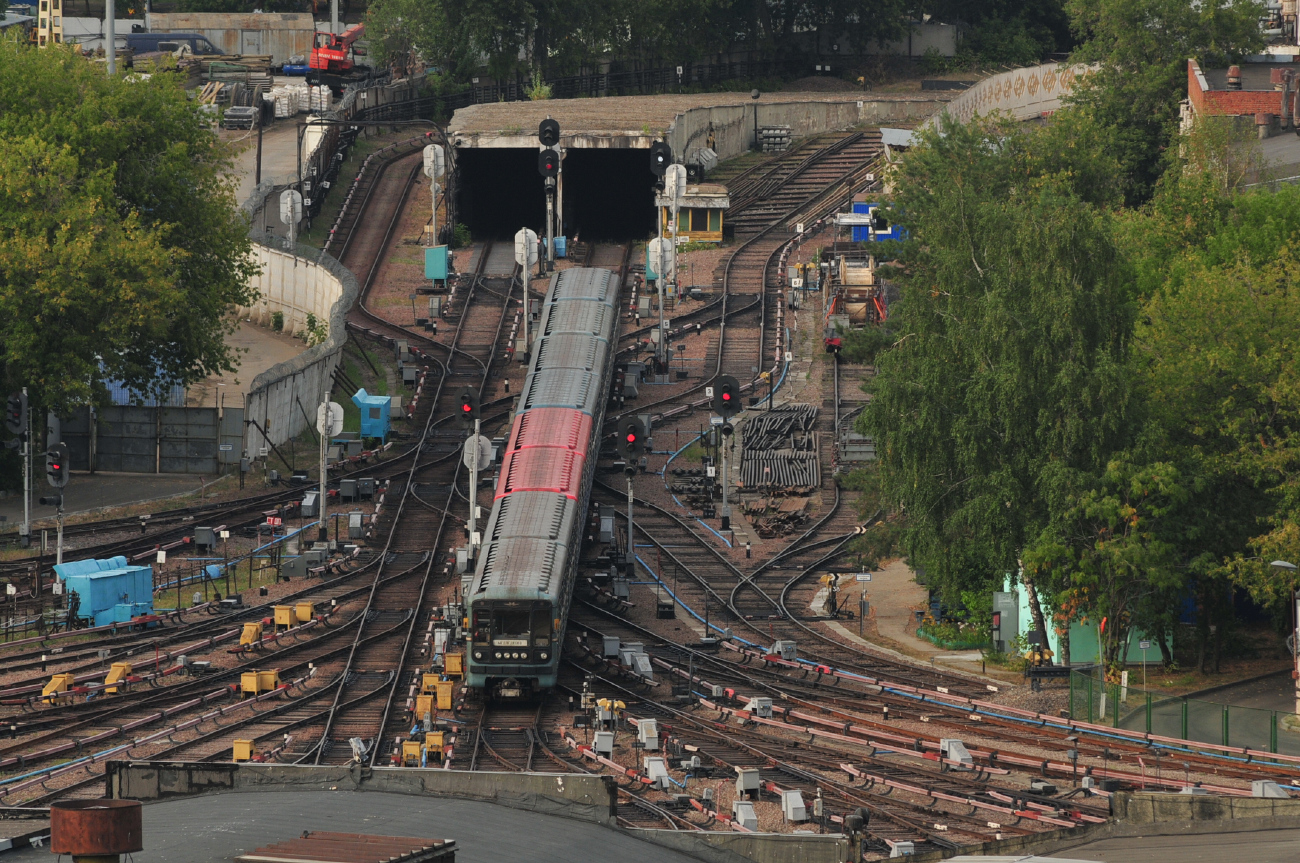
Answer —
329 211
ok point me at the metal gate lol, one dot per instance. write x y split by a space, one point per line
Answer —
131 439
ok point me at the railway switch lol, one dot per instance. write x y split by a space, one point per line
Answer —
955 750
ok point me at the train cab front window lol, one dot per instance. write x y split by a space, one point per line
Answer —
510 628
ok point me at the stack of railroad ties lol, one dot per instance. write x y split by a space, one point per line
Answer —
780 457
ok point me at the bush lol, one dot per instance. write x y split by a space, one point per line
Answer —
460 236
277 321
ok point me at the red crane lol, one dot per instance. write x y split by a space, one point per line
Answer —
333 60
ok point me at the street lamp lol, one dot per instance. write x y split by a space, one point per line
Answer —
1295 629
754 95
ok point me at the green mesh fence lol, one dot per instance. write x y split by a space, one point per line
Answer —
1093 699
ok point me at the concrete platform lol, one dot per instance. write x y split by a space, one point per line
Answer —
214 829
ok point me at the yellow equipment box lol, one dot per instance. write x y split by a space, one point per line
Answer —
423 705
445 689
268 680
117 676
305 611
410 753
434 740
454 664
248 683
252 633
283 616
58 683
429 683
243 750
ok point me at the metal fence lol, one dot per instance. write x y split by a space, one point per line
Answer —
152 439
1094 699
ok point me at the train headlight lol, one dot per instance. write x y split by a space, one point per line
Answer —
478 654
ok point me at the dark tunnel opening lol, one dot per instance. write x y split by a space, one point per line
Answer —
607 193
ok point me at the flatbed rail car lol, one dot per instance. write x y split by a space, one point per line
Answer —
518 600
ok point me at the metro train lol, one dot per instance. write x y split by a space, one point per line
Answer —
517 604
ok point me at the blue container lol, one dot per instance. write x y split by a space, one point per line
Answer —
435 263
110 591
561 244
376 414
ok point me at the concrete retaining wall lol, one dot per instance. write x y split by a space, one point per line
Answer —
583 797
1025 94
717 847
282 400
733 125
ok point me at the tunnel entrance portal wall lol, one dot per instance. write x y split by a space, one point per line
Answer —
608 193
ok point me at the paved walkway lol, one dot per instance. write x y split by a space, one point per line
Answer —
86 492
217 828
279 155
258 350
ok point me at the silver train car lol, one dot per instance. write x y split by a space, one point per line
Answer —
517 604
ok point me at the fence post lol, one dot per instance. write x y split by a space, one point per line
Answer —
1148 713
1272 733
1225 725
1184 719
1115 723
1071 695
1090 698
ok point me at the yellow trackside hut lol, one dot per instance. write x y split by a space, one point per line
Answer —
700 218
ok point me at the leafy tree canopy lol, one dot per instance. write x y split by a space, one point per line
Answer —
120 246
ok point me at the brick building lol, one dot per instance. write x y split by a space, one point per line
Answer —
1264 92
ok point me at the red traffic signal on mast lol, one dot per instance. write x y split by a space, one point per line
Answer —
469 408
632 436
548 163
726 396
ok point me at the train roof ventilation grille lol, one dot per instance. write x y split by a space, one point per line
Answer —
583 283
569 351
532 515
576 318
559 388
548 567
538 430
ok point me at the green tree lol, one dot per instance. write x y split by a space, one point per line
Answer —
121 250
1141 48
1004 386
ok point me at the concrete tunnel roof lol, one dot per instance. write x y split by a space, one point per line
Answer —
614 122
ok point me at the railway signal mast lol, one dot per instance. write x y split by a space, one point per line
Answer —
548 165
661 161
434 167
476 447
57 475
726 404
633 432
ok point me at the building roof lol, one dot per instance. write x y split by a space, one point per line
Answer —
706 195
10 19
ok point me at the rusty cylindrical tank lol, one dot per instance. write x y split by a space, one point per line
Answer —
96 829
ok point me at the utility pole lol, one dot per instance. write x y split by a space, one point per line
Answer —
27 476
329 422
110 36
469 410
334 16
